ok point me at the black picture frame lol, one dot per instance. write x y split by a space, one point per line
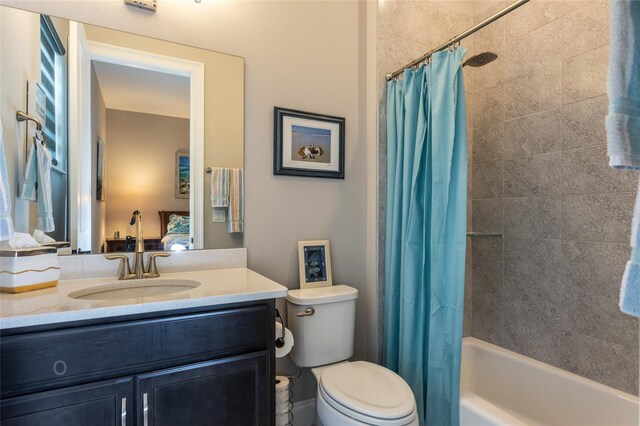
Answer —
308 144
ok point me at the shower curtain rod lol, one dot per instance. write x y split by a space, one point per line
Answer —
459 37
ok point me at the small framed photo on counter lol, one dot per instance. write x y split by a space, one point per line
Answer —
314 258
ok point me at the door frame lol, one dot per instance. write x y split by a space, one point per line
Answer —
118 55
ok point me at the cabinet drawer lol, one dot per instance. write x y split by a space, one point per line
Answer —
52 359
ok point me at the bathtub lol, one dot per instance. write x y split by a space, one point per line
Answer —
500 387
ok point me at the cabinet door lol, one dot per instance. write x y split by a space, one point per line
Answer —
229 391
107 403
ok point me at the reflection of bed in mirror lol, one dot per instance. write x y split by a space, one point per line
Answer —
174 229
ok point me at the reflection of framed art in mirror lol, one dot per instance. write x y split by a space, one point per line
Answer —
182 173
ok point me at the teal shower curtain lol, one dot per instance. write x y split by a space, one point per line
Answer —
426 233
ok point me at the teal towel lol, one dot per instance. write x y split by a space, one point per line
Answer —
630 290
28 191
623 121
37 183
623 126
6 222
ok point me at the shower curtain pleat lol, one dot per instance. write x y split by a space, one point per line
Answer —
426 233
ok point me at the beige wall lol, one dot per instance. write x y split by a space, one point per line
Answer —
224 113
20 59
307 55
98 131
140 169
19 31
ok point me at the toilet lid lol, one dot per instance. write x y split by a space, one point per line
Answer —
368 389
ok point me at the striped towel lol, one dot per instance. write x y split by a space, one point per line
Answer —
623 126
6 222
236 200
219 187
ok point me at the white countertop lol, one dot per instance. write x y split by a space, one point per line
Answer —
52 305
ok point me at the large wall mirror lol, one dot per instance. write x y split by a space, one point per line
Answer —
133 123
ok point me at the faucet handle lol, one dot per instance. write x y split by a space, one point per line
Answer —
152 268
124 269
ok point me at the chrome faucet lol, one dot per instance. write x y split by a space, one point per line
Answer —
138 261
125 272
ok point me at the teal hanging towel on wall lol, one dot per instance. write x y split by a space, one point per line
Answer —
426 233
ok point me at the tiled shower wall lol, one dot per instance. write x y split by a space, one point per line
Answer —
549 287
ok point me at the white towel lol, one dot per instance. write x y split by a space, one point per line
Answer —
45 204
22 240
41 237
219 187
6 222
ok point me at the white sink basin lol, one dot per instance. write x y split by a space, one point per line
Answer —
130 289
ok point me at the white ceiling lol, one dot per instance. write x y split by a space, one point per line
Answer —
133 89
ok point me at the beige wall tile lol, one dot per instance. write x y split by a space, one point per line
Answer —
585 76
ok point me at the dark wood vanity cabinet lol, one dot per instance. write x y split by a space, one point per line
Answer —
193 367
101 403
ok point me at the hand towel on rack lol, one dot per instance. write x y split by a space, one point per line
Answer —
6 222
630 290
28 191
37 184
236 201
623 121
623 126
219 187
45 205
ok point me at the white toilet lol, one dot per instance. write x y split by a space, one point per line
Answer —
322 321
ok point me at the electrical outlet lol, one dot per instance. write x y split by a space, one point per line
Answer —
142 4
219 215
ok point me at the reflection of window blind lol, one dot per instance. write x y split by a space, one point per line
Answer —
50 46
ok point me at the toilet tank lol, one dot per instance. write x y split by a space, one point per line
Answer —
326 335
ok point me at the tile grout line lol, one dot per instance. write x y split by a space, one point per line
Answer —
523 197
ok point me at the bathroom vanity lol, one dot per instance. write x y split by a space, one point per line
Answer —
204 356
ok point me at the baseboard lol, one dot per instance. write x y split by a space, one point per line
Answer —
304 412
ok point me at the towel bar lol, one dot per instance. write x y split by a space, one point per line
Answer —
21 116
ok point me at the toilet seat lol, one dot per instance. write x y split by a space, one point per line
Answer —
368 392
